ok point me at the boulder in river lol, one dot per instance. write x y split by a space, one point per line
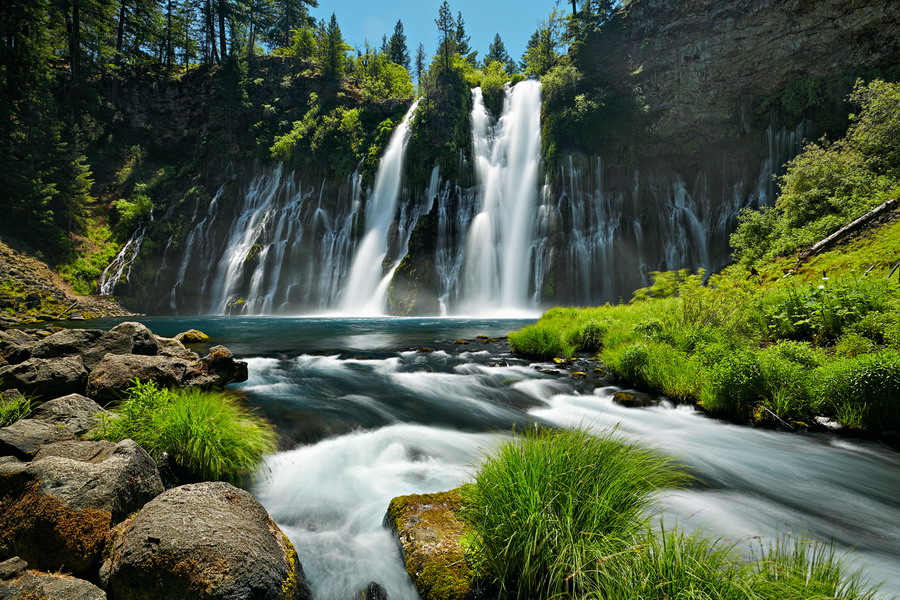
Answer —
43 378
373 591
94 344
429 533
56 511
192 336
206 540
215 370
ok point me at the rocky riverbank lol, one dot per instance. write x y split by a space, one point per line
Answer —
31 292
98 511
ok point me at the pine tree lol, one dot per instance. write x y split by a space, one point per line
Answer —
332 50
420 63
397 51
446 33
462 41
497 52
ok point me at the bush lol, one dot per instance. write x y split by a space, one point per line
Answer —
202 435
863 392
736 385
551 504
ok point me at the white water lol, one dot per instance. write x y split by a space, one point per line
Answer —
366 290
331 496
500 242
119 269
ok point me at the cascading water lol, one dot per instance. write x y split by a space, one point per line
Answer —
119 269
500 242
366 289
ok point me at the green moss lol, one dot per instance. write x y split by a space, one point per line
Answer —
431 536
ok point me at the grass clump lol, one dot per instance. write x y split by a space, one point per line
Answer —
14 409
550 505
204 436
863 391
565 514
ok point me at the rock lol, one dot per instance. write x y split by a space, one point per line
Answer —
424 350
216 370
32 585
549 371
13 349
634 399
56 511
116 372
461 342
207 540
93 344
24 438
13 395
579 374
13 567
61 419
192 336
46 378
373 591
74 412
77 450
430 533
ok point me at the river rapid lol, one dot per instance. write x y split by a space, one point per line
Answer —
364 417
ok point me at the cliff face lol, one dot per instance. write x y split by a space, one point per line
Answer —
703 65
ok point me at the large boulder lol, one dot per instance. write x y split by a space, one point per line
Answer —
116 372
216 370
17 583
192 336
56 511
61 419
206 540
430 535
46 378
93 344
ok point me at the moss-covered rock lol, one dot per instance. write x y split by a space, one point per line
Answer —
431 537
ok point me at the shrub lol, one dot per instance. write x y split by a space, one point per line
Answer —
736 385
864 391
202 435
547 506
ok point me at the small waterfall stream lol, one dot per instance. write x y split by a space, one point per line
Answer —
366 290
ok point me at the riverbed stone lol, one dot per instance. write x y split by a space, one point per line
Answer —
429 532
373 591
56 511
25 437
92 345
34 585
216 370
206 540
75 412
43 378
192 336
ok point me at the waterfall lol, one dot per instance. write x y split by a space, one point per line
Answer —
500 245
119 268
366 289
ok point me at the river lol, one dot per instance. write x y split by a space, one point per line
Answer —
364 416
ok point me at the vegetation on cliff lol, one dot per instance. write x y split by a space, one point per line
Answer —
787 342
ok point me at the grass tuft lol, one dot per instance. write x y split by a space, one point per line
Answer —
15 409
208 436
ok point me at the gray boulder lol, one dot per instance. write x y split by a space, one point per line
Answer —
116 372
46 378
93 344
216 370
33 585
14 349
61 419
205 540
13 567
57 511
74 412
373 591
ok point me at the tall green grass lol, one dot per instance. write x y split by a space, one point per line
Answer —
565 514
202 435
550 505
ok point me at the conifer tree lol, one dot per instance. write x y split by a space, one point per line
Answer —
396 50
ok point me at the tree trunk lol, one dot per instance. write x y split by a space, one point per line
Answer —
223 45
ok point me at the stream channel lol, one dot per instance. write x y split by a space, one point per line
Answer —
364 417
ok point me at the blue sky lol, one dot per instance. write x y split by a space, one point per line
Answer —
370 19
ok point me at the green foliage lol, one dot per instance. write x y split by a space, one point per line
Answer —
380 78
493 86
541 341
497 53
550 505
94 252
332 49
863 391
15 409
397 51
830 184
206 436
134 210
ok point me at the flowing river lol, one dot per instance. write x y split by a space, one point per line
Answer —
364 417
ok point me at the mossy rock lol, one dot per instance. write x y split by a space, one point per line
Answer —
192 336
430 534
